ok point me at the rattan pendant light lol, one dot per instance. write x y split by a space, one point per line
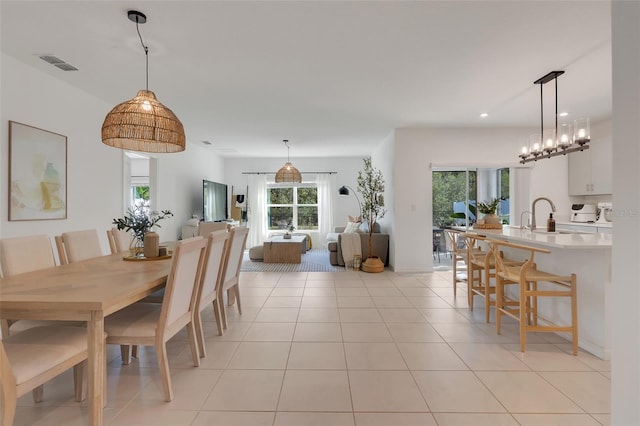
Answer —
288 173
143 123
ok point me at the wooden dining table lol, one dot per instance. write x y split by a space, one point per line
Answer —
86 291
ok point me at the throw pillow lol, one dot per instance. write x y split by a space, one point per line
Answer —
356 219
351 227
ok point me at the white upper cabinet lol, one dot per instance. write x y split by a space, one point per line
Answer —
590 171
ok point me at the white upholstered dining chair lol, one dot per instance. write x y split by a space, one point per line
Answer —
24 254
211 279
119 240
30 358
231 280
205 228
78 245
153 324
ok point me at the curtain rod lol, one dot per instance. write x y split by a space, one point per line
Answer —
273 173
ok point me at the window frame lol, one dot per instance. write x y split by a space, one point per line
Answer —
294 206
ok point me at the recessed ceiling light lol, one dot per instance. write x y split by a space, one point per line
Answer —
484 114
563 114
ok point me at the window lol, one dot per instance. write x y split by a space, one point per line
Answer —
288 205
140 196
503 189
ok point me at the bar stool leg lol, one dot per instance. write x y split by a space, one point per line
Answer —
487 293
574 313
524 314
499 290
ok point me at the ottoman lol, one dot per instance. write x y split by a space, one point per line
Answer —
256 254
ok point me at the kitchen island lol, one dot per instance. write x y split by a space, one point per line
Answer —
588 255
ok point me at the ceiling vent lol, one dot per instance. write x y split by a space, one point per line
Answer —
53 60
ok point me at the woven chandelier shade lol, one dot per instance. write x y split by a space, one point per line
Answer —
288 173
143 124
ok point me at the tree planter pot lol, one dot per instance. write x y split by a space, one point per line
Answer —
373 264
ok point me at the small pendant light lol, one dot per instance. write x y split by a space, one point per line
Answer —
143 123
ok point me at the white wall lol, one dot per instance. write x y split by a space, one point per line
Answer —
94 170
625 329
382 158
417 149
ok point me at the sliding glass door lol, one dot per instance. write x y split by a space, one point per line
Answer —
456 192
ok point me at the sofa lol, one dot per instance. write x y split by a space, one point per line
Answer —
380 247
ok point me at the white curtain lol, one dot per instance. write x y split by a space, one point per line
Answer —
257 210
326 187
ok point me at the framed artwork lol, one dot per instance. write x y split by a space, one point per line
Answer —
37 173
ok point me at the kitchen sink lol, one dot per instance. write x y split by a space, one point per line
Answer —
559 231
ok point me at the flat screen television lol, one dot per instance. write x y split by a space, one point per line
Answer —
214 201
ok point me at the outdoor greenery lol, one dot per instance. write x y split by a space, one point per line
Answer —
449 187
293 207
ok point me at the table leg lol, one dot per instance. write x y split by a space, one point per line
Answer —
96 368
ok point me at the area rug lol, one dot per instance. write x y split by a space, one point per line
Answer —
314 260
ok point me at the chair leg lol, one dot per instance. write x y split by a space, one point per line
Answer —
124 354
134 351
216 313
455 275
165 375
38 394
499 289
487 294
471 279
9 402
79 381
197 325
523 316
193 343
4 327
223 314
236 290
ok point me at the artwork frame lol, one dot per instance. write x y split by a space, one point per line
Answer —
37 173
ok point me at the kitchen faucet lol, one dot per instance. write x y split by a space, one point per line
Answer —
533 210
522 225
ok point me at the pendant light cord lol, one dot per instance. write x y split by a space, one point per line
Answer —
146 52
286 142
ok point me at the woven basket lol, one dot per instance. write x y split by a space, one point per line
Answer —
487 226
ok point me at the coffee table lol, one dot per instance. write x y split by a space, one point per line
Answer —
281 250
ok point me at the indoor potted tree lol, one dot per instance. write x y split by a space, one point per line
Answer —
371 187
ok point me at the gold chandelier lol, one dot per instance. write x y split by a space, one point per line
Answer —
288 173
143 123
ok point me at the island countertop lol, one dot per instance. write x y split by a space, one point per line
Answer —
539 237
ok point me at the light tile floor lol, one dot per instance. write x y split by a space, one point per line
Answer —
349 349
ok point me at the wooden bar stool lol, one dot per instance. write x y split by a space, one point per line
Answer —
459 252
525 308
481 268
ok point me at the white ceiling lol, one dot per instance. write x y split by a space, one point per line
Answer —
335 78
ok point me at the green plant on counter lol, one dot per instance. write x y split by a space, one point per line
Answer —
490 207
